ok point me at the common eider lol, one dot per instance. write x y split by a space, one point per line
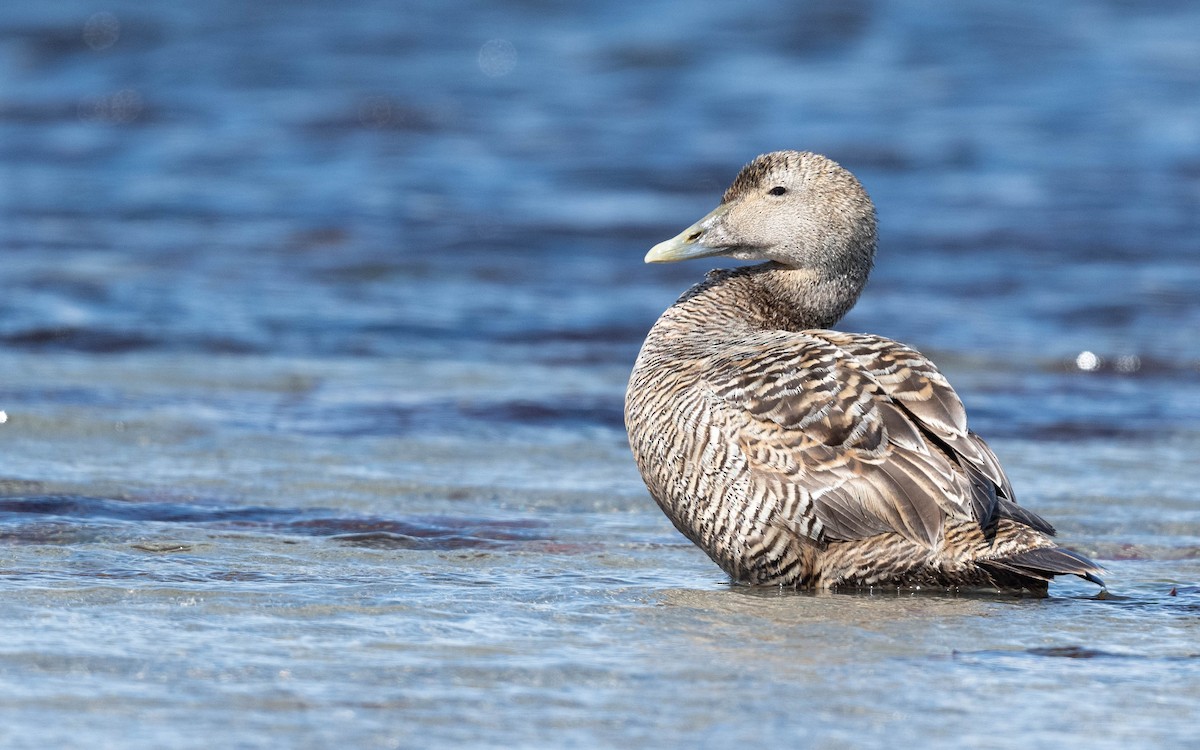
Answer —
795 455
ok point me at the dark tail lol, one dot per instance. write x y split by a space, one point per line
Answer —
1044 563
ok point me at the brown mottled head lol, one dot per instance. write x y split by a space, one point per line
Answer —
757 173
778 168
797 208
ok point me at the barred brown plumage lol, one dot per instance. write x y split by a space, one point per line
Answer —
802 456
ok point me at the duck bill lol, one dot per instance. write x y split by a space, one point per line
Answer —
690 243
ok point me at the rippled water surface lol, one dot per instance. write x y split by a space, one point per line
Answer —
315 320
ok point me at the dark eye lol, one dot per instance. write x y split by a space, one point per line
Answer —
778 190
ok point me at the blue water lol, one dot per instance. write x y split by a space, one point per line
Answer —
315 320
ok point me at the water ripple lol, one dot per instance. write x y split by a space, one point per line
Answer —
72 519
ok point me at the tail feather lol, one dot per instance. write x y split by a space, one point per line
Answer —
1008 509
1044 563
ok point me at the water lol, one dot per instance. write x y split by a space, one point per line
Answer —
316 320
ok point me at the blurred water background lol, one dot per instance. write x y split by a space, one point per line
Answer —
315 320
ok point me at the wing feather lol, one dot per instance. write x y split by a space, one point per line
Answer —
867 429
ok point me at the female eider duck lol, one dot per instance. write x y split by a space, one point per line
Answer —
799 456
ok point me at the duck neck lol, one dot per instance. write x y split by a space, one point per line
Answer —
806 298
769 296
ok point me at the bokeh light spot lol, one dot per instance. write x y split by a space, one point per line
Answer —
101 31
123 107
497 57
1128 363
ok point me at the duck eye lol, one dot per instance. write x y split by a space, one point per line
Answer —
778 190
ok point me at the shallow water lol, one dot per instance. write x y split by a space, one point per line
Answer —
316 321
